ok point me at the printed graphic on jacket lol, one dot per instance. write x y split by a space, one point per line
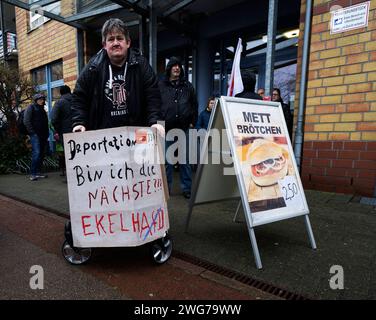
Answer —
117 95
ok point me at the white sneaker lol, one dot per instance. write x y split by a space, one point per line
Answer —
33 178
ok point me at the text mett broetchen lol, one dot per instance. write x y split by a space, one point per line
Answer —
257 118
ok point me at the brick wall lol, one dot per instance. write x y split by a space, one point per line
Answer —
340 166
50 42
339 151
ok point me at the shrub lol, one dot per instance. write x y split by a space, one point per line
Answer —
12 150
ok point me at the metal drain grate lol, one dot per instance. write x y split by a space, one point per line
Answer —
263 286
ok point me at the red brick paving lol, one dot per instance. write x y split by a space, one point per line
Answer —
130 270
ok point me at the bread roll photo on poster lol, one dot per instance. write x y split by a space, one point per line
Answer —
269 162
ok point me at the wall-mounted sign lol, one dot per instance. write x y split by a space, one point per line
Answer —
349 18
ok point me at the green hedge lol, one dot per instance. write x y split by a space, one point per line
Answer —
12 149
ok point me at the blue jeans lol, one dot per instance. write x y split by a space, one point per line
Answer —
38 147
185 169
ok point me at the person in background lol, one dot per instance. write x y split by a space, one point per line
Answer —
261 92
202 123
249 83
180 110
276 97
36 123
61 119
204 116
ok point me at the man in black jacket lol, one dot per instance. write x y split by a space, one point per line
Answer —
180 111
61 115
61 119
249 83
117 87
36 123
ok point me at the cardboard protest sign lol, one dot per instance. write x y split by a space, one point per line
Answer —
265 160
116 187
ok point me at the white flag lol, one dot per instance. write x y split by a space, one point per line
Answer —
235 85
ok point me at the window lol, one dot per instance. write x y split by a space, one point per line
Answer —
285 79
48 79
56 71
55 95
11 43
39 76
36 13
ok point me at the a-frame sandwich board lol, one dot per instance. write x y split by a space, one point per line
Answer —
264 174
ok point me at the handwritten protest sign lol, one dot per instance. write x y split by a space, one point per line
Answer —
115 187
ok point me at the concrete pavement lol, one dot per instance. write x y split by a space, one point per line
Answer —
344 230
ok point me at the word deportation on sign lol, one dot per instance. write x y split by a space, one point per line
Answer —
115 186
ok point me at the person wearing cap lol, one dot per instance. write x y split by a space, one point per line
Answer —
249 83
36 123
117 87
180 110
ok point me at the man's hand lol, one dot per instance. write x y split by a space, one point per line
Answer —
160 129
79 128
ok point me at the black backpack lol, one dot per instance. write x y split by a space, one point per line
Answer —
20 125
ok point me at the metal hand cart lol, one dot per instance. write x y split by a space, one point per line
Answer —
160 249
161 245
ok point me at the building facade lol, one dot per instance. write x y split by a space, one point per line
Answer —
339 153
47 53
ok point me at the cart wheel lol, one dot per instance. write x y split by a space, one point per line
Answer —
75 255
161 249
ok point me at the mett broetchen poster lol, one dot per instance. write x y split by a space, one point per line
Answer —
267 163
115 187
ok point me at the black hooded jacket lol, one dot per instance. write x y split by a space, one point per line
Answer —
288 116
249 83
179 102
144 101
36 120
61 115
